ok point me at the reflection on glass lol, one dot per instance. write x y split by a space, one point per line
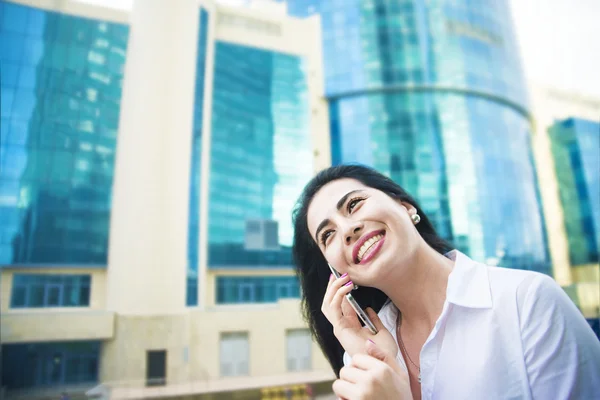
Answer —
261 155
61 89
196 151
575 144
431 93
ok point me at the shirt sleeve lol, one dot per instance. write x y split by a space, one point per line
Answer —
346 359
561 352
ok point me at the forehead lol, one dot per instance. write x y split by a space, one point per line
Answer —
324 202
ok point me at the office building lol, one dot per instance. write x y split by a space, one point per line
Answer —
566 143
431 93
150 163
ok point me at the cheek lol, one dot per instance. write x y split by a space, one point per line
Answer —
402 228
334 255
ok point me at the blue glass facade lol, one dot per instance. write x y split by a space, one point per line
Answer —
260 136
575 147
196 153
432 94
34 291
38 365
61 90
252 289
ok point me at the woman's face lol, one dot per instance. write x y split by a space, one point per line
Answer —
361 230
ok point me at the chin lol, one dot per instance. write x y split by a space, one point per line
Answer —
381 268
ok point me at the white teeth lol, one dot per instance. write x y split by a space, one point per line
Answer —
367 245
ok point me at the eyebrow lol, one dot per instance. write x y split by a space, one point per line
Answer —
339 206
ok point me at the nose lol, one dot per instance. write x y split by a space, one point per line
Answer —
353 232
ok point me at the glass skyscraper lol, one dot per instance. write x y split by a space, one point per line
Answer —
61 79
260 135
432 94
61 90
575 147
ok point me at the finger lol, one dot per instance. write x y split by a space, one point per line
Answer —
375 319
331 279
335 307
343 388
333 286
351 374
366 362
375 351
390 359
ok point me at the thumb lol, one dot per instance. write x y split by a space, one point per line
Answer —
375 319
376 352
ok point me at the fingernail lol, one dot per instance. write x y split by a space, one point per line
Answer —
343 276
348 283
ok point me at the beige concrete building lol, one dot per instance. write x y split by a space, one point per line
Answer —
581 281
165 316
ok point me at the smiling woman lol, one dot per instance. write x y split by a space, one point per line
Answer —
437 313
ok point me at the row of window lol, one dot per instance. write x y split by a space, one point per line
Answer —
32 365
235 353
38 291
51 290
251 289
66 363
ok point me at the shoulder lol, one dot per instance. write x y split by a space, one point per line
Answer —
538 299
528 293
518 284
539 296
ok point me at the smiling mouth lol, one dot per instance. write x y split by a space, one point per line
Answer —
368 247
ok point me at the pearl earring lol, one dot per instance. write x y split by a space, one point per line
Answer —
415 218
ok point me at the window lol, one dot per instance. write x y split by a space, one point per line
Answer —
298 350
246 293
156 368
252 289
196 150
234 351
46 290
31 365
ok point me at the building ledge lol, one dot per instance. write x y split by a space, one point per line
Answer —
43 325
136 390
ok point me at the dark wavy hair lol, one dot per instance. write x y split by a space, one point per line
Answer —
311 266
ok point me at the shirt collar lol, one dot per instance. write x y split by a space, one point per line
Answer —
468 283
468 286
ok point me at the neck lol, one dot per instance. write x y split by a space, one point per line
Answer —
419 291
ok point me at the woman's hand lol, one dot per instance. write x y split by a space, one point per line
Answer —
375 375
346 326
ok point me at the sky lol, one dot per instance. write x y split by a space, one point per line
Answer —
559 41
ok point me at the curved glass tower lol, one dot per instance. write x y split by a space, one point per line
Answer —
431 93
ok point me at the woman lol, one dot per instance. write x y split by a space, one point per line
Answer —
448 327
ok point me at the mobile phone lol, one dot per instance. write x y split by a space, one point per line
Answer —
357 308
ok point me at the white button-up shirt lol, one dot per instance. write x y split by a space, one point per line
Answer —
505 334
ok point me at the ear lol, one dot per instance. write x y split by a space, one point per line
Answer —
409 208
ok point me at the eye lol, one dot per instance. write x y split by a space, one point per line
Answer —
353 203
325 235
